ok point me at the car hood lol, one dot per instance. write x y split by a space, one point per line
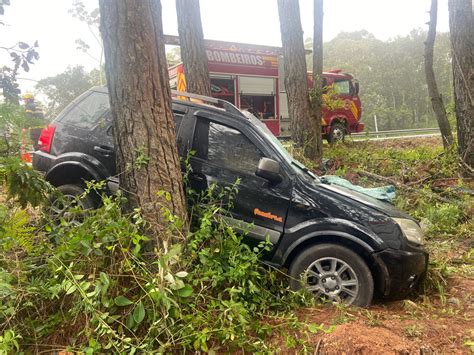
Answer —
331 198
379 205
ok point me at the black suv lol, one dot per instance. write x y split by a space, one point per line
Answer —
339 244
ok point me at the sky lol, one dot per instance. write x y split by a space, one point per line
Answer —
246 21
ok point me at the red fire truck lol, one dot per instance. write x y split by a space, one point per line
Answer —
251 77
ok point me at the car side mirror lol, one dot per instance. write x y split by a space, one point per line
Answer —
269 169
356 88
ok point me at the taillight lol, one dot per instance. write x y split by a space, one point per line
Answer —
46 138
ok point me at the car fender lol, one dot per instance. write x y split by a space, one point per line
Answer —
326 230
86 162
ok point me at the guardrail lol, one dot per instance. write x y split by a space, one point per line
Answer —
413 132
397 132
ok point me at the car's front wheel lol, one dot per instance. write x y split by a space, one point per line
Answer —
334 273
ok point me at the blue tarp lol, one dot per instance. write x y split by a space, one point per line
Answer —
385 193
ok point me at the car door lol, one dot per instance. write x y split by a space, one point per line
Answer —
101 143
227 152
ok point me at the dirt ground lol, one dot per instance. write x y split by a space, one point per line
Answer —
427 325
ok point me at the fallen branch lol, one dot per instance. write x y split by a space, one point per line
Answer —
316 351
467 167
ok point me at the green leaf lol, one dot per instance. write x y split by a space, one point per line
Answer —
169 278
130 321
71 289
181 274
104 279
122 301
314 328
139 313
184 292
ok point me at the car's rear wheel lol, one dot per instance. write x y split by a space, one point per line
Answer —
71 203
334 273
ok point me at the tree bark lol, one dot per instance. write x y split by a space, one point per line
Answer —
303 128
140 98
436 100
317 91
193 50
461 27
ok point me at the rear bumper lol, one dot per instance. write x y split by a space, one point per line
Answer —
401 269
42 161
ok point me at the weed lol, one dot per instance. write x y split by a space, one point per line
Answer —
316 328
372 318
414 331
99 281
469 344
343 314
9 342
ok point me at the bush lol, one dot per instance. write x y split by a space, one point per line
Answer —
14 124
98 286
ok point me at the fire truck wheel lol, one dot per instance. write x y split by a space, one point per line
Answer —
337 133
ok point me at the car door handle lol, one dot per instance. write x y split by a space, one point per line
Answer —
198 177
103 150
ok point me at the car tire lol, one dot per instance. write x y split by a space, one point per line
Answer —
70 194
334 273
337 133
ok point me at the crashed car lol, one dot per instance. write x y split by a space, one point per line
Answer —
340 244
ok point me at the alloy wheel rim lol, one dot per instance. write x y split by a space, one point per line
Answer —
332 279
65 208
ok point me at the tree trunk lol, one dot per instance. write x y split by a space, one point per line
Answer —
436 100
193 50
303 127
461 27
317 92
140 98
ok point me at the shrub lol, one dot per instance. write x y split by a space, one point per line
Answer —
98 286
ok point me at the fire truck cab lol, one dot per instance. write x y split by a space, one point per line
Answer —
251 77
345 117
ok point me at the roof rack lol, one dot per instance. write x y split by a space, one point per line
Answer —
226 105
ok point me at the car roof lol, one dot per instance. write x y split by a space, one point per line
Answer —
189 103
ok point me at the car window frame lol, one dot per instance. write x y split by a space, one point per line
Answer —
250 134
178 110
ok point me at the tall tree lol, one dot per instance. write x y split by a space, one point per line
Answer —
461 25
303 127
317 91
193 51
436 100
140 98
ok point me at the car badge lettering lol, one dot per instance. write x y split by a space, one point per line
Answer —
268 215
